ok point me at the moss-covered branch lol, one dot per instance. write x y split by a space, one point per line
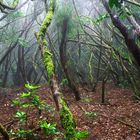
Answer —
66 116
67 121
48 62
44 27
46 54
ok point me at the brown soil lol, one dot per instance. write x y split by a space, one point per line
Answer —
117 119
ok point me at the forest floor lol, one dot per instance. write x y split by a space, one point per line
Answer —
117 119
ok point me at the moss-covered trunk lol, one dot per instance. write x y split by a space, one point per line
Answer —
66 116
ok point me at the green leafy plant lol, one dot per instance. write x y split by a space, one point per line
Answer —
30 100
22 116
21 133
16 102
31 87
49 129
27 101
81 134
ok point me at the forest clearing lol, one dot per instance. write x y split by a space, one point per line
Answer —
69 69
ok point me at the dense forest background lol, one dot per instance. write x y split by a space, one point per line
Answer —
94 47
70 44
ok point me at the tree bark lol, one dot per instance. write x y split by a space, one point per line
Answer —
63 58
129 39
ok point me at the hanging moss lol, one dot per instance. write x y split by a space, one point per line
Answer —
48 62
67 121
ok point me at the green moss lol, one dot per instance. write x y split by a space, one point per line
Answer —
67 121
47 20
66 116
47 56
48 62
45 24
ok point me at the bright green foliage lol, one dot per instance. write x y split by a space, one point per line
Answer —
81 134
34 99
23 95
31 87
67 122
16 102
21 116
48 62
29 100
26 100
49 129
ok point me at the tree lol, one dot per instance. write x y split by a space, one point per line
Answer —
130 40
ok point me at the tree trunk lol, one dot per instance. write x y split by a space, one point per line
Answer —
128 37
63 59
